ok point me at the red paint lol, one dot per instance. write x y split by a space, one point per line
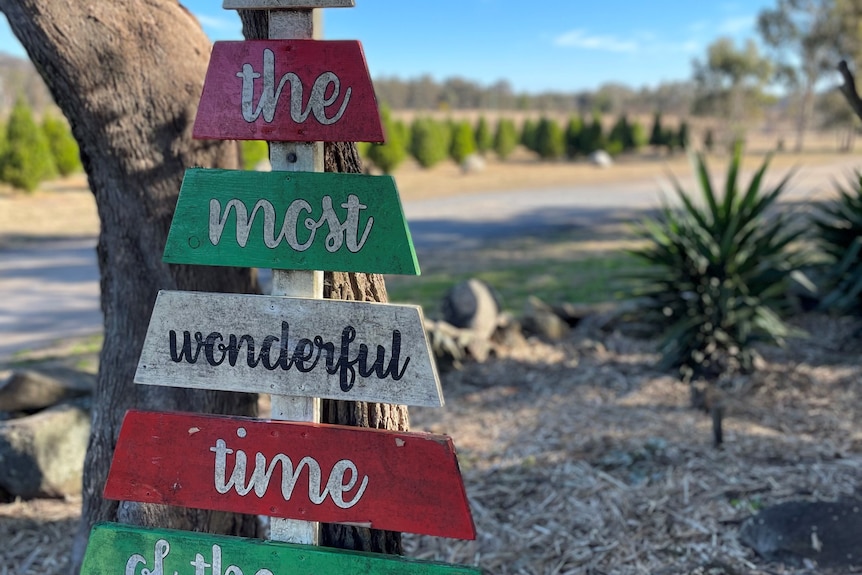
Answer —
413 481
335 65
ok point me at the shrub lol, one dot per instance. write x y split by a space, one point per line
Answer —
428 142
639 136
27 160
528 135
253 153
505 138
838 226
657 134
682 136
463 142
709 141
64 148
573 137
718 274
592 136
550 140
484 136
389 155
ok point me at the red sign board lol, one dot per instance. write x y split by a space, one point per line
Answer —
389 480
288 90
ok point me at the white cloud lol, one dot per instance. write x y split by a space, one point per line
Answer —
736 24
216 23
581 39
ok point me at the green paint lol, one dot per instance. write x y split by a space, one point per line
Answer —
291 220
126 550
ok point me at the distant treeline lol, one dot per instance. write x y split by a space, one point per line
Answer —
424 93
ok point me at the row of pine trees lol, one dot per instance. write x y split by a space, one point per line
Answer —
431 141
31 153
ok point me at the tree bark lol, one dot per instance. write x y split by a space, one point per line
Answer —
127 75
342 157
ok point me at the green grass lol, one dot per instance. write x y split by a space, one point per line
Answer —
81 354
583 279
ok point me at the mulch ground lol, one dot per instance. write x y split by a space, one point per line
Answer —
580 458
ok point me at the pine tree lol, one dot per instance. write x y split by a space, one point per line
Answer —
592 136
683 136
573 137
484 136
550 140
639 136
528 135
389 155
463 143
428 140
64 148
253 153
656 137
27 160
620 138
505 139
709 141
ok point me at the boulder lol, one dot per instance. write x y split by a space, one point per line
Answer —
32 391
473 164
471 305
601 158
541 320
821 531
42 455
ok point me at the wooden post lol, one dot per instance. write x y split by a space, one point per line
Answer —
301 24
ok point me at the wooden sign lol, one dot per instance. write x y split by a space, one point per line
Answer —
353 351
389 480
300 221
285 4
126 550
288 90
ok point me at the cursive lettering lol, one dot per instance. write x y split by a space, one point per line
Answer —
318 101
339 232
239 481
338 359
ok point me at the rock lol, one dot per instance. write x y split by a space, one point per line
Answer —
471 305
42 455
602 159
825 532
539 319
31 391
473 164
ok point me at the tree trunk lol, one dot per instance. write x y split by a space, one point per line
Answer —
127 75
342 157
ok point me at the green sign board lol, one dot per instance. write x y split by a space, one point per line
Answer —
126 550
291 220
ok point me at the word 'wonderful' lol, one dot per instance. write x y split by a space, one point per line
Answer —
305 355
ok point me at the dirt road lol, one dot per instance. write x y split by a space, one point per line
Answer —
49 289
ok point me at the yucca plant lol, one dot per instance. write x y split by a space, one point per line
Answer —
838 225
718 273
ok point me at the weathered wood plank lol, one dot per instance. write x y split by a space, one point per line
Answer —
390 480
303 221
127 550
355 351
288 90
285 4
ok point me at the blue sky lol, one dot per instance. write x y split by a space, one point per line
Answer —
560 45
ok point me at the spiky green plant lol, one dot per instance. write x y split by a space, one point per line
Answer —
838 225
718 273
